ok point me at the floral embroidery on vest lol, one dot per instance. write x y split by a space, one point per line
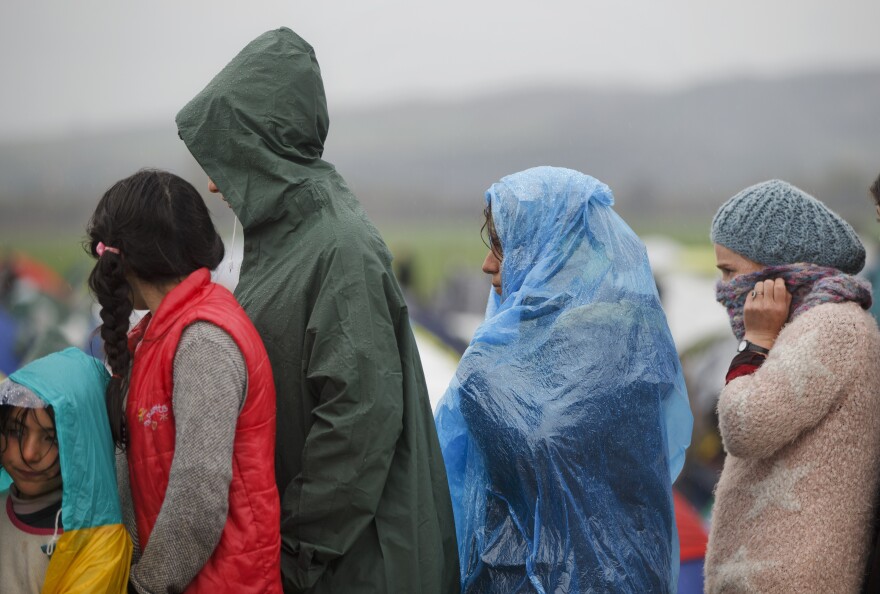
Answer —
151 418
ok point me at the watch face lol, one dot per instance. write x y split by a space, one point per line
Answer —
742 346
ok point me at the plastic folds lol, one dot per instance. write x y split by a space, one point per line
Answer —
568 417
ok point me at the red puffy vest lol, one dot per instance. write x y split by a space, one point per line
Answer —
247 558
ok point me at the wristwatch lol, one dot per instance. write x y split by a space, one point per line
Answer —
745 345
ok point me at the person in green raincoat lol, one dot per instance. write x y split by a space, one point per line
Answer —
61 524
365 503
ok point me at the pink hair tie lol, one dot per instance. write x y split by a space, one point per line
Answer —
101 248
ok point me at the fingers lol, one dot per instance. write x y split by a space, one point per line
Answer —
762 288
766 311
770 290
780 293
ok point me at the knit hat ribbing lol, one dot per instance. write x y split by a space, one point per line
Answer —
774 223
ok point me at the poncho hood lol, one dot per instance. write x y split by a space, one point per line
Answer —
90 496
94 552
258 128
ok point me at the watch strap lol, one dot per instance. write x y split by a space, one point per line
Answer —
751 347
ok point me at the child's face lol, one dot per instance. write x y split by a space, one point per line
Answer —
29 451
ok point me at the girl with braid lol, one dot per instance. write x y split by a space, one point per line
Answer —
191 400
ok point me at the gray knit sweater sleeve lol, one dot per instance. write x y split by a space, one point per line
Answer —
210 384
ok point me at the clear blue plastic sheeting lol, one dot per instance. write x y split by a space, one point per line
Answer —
568 418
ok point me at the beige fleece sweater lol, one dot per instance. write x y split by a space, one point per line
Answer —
794 504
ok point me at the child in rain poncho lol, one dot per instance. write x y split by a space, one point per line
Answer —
568 417
60 526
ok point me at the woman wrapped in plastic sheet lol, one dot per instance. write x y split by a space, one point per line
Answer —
568 417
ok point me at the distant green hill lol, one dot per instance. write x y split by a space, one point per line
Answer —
670 157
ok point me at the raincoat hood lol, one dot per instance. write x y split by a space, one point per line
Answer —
258 128
73 384
567 419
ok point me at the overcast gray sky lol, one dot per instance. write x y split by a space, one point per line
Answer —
76 64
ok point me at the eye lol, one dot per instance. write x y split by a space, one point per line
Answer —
15 431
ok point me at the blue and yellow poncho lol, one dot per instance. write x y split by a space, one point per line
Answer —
94 552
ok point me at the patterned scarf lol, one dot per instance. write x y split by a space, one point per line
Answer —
809 285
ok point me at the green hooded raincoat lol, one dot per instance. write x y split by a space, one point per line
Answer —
365 503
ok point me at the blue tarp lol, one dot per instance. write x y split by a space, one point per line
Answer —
568 418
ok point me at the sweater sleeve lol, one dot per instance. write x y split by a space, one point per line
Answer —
744 364
805 374
210 380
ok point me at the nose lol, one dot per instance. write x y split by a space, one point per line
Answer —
212 187
491 265
32 450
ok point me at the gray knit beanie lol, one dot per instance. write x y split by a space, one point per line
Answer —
774 223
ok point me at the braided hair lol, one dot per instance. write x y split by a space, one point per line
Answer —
156 228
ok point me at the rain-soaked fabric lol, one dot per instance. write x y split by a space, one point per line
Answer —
94 552
365 503
568 417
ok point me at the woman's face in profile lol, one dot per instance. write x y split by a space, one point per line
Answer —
732 264
492 263
492 266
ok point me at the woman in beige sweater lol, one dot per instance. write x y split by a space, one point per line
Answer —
800 413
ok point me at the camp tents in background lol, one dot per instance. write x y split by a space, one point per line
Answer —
40 311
